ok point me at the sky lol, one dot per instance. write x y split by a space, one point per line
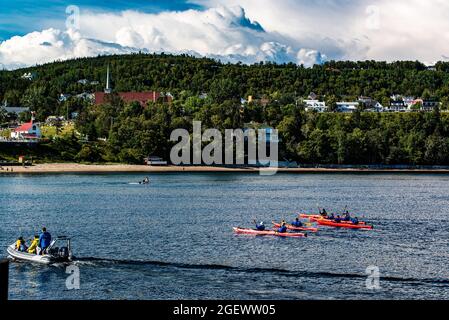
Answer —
299 31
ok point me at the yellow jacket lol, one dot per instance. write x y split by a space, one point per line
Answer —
18 243
33 246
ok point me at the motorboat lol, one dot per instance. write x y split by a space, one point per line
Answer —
53 253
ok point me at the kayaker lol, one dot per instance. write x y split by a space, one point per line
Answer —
346 216
146 180
323 213
297 223
33 246
283 228
21 245
44 241
260 226
338 219
331 217
355 220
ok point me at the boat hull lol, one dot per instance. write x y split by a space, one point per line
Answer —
24 256
268 233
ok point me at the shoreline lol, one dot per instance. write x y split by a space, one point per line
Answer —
61 168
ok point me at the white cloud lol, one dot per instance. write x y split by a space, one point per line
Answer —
300 31
223 33
357 30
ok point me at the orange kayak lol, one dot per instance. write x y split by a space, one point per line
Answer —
329 223
292 227
315 218
268 233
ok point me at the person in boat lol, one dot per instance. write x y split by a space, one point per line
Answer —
355 220
33 246
338 219
283 228
260 226
297 223
44 241
146 180
346 216
323 213
331 217
21 245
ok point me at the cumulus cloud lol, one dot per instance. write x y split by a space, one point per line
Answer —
223 33
300 31
357 30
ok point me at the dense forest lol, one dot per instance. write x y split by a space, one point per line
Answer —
210 91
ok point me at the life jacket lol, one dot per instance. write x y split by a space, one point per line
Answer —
18 244
33 246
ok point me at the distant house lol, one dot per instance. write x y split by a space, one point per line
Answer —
28 130
86 96
83 81
315 105
347 107
29 76
397 105
312 96
430 105
262 101
63 97
409 101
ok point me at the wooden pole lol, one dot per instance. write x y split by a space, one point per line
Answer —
4 279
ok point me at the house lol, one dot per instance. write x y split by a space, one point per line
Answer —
315 105
29 76
64 97
397 105
83 81
262 101
378 107
409 101
28 130
430 105
347 107
155 161
86 96
312 96
11 109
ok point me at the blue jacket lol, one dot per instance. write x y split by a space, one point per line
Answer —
282 229
44 240
297 224
260 227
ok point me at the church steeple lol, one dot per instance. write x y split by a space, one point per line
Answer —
108 88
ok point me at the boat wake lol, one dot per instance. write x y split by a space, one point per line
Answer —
100 262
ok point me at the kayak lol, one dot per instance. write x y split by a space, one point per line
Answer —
292 227
329 223
268 233
315 218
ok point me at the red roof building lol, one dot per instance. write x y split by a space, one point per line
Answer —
141 97
28 130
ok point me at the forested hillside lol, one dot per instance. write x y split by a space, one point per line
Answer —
133 132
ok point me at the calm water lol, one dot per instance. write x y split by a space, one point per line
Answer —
174 240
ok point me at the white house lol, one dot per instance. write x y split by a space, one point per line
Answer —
28 130
315 105
347 107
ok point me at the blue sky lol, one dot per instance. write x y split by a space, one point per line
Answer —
24 16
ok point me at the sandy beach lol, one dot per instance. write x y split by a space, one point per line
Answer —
123 168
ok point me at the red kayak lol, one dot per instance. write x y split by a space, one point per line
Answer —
268 233
329 223
292 227
315 218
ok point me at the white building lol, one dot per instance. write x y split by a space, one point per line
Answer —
347 107
315 105
28 130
